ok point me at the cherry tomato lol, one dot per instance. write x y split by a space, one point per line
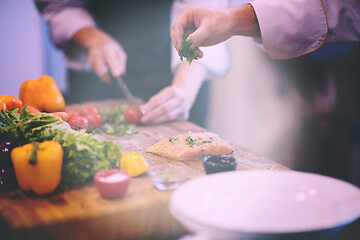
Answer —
95 120
133 114
72 114
89 110
79 122
63 115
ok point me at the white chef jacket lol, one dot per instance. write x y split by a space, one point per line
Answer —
289 28
65 18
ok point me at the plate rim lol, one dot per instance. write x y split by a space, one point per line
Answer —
183 217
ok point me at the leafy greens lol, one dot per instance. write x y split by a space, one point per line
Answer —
84 154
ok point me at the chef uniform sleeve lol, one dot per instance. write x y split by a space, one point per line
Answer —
65 18
291 28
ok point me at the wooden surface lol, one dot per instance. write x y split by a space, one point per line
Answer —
81 213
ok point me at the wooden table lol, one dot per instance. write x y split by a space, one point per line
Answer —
81 213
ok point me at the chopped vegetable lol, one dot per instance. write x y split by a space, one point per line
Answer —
114 122
172 139
190 141
186 52
38 166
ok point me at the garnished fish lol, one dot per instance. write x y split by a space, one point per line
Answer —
191 145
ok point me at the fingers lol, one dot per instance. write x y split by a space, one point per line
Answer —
163 96
168 105
198 36
116 62
169 111
185 20
98 65
108 57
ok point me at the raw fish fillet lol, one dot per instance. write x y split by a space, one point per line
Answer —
191 145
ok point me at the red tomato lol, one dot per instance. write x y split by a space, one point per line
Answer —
63 115
133 114
72 114
89 110
92 113
79 122
94 119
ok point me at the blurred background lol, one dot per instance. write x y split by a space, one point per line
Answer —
256 105
26 50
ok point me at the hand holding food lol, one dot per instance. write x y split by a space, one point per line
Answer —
210 26
38 166
169 104
186 51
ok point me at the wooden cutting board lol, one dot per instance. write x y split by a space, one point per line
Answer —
81 213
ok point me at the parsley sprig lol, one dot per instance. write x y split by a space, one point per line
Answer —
186 52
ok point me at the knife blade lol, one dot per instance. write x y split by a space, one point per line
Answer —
125 90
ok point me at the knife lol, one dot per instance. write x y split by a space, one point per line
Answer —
125 90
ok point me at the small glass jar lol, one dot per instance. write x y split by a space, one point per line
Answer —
167 177
219 163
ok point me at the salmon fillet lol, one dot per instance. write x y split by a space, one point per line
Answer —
191 145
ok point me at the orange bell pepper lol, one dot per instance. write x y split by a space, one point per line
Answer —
8 102
42 94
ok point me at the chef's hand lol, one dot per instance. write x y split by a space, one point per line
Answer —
174 102
210 26
168 105
105 53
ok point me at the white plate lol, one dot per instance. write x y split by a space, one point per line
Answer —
235 203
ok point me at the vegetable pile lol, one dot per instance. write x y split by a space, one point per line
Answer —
84 154
115 121
187 52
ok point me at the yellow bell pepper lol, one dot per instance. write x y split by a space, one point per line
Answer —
42 94
38 166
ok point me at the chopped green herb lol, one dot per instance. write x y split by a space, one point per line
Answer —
187 52
172 139
206 141
190 141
